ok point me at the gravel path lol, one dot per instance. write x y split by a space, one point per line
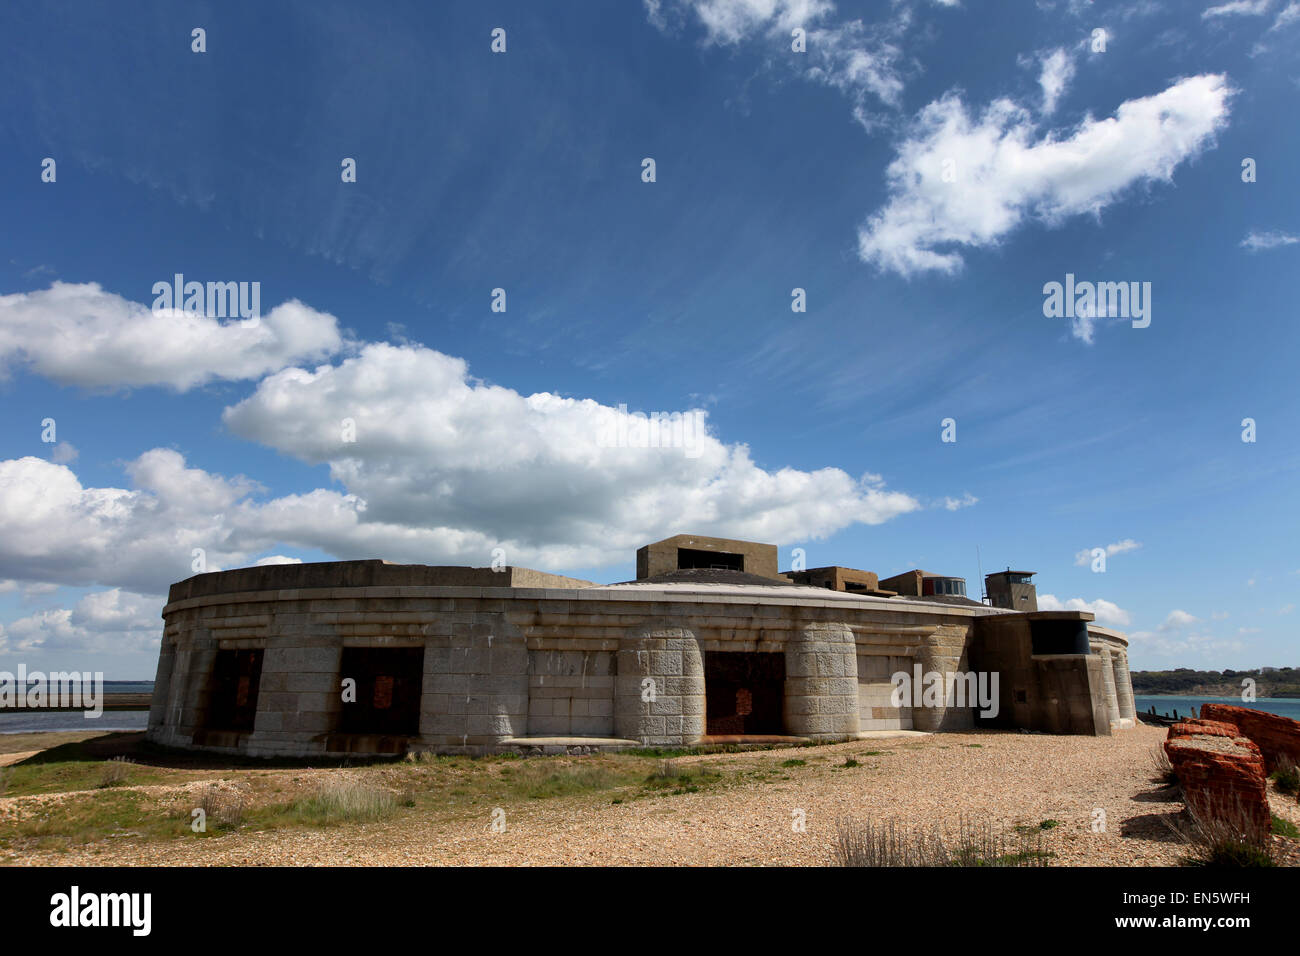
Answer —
1009 779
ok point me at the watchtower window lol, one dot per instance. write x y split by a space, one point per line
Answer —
721 560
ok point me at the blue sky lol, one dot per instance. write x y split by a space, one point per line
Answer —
774 170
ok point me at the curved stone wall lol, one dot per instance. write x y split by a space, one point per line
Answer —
821 682
504 667
659 690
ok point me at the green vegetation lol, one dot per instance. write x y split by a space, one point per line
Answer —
73 767
344 800
1229 840
794 763
674 780
1270 682
1285 828
1286 776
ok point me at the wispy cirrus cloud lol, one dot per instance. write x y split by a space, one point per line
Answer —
862 60
1237 8
1271 239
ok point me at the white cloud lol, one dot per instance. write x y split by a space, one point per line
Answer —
853 57
965 501
114 621
1057 71
1107 613
1256 241
1006 172
275 559
444 469
78 334
1286 16
1178 619
1084 558
64 453
436 449
731 21
1251 8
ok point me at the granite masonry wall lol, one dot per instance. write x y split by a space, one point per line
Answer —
510 666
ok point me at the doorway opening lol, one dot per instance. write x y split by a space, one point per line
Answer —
232 693
388 685
744 692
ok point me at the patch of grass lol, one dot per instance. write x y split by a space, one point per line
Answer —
674 780
223 810
539 782
794 763
72 766
662 752
92 816
1286 776
1285 828
850 762
1228 840
344 800
114 773
974 745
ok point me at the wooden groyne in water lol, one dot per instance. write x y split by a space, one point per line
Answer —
110 702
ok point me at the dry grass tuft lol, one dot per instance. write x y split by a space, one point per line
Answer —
977 844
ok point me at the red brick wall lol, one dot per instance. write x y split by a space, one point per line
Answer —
1274 734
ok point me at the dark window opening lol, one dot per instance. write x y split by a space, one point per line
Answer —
232 696
388 684
744 693
721 560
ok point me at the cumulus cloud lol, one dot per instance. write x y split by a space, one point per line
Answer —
1178 619
429 447
1004 172
1106 613
79 334
1257 241
965 501
443 469
113 621
1084 558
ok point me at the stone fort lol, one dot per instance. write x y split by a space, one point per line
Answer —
710 644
